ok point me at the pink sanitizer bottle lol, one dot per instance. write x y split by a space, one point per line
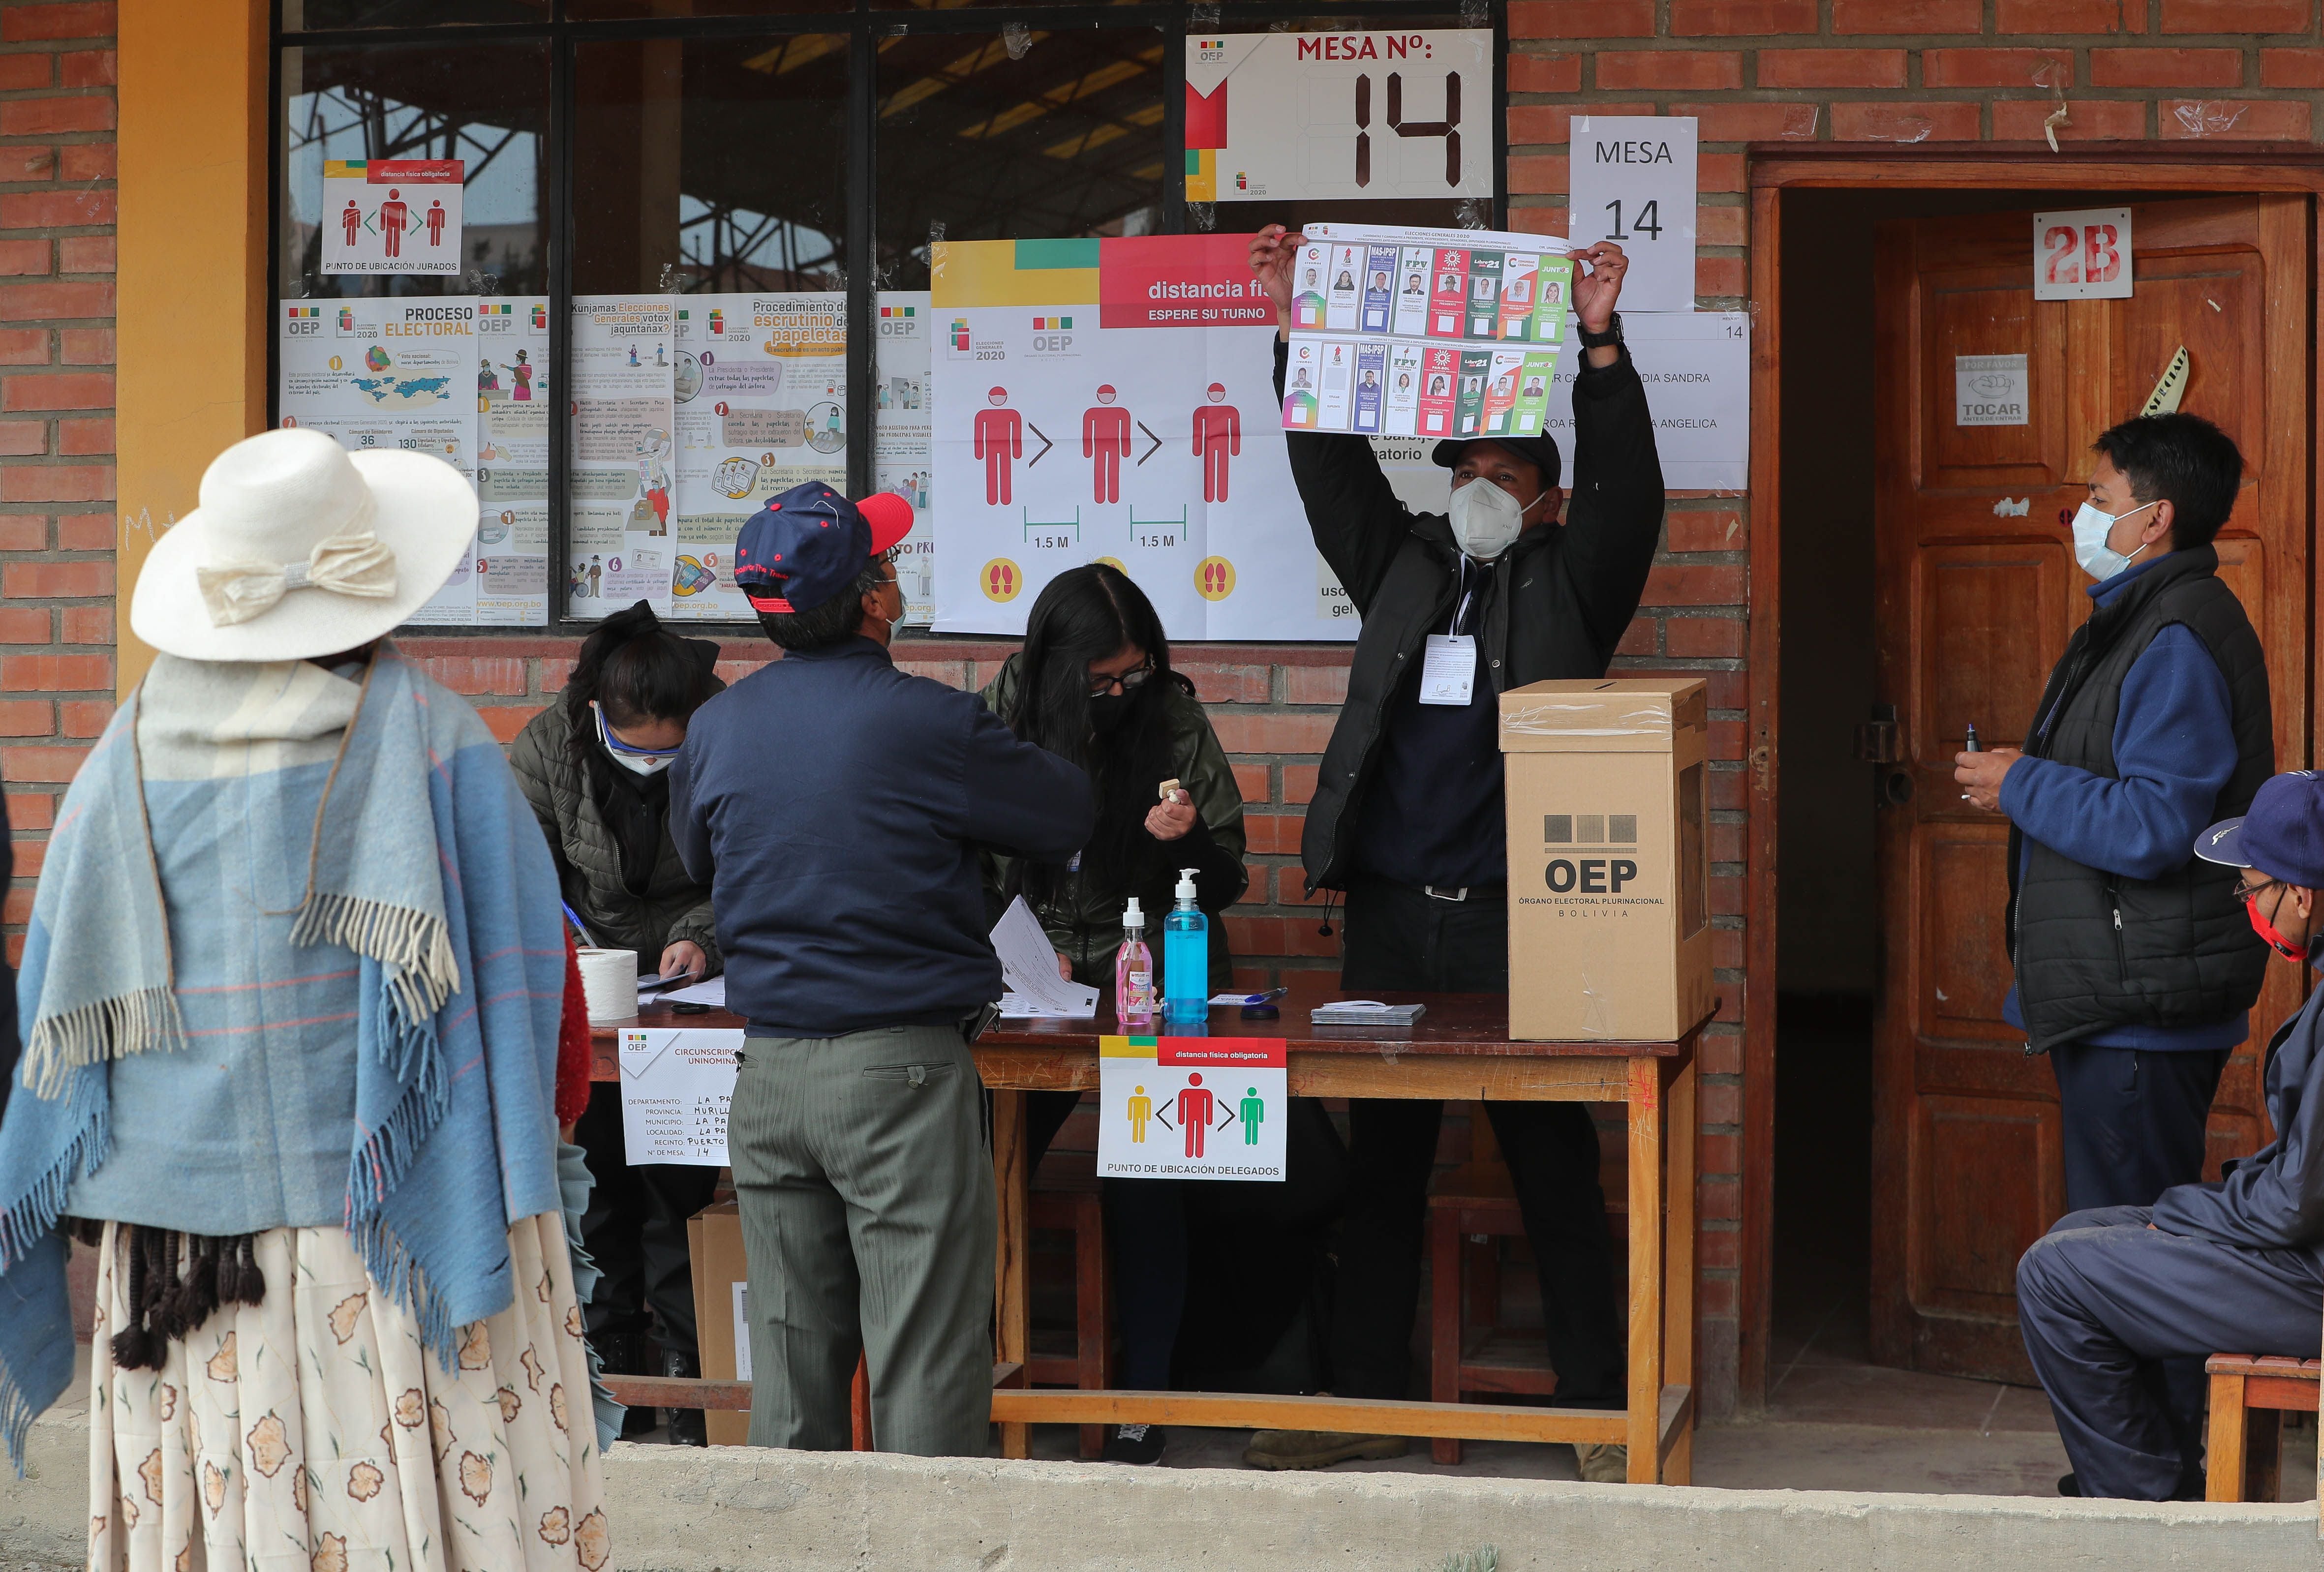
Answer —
1133 971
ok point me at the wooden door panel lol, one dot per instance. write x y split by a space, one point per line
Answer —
2213 305
1980 310
1965 873
1970 1240
1979 601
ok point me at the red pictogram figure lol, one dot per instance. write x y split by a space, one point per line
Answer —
436 223
351 221
1000 442
395 214
1195 1107
1106 439
1218 433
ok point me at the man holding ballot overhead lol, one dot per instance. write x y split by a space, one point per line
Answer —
1508 587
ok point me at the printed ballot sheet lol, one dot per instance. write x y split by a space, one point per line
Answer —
1029 971
1433 333
1192 1108
620 546
676 1087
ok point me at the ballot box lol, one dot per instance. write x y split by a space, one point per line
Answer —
1609 914
722 1288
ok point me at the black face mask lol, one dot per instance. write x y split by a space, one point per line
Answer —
1107 711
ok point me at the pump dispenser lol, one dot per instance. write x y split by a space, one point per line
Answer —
1133 971
1185 957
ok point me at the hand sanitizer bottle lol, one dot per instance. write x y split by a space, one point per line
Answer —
1186 958
1133 971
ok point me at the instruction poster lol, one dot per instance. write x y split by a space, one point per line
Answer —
392 215
901 436
621 546
1192 1108
760 393
511 447
1114 401
675 1089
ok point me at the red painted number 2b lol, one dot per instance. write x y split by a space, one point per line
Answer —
2089 254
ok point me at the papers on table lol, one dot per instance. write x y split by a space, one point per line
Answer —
653 990
1365 1013
1029 971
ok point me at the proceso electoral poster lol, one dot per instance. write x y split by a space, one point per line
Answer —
1114 401
620 549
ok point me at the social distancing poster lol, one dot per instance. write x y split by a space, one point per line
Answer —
1114 401
1192 1108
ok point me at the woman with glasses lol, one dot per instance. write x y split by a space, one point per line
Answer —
1093 683
595 767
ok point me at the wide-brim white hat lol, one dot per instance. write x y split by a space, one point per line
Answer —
300 548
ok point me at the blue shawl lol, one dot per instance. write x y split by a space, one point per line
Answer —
344 1008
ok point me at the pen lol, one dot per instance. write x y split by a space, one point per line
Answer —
579 927
1261 998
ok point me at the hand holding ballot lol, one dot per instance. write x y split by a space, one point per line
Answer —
1274 250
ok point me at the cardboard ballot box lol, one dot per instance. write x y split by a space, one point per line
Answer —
1609 912
722 1282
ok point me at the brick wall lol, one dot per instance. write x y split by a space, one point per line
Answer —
56 411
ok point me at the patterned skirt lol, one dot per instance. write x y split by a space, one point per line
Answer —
313 1433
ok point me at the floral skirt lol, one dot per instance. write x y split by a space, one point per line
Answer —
313 1433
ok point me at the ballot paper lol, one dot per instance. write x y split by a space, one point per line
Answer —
1028 971
675 1086
712 993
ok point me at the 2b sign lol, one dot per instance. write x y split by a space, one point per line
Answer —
2083 255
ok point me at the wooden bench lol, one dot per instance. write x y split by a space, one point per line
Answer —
2250 1395
735 1396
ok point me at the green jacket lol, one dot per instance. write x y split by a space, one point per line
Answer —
589 860
1084 922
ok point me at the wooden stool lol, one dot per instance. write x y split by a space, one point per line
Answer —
1065 1197
2249 1398
1470 1210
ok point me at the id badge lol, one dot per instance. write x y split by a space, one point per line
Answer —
1449 670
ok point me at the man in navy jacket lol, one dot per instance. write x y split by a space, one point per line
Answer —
2111 1298
834 805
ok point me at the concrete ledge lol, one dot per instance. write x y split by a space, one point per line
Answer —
733 1509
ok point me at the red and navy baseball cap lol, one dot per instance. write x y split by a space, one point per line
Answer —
2283 834
807 545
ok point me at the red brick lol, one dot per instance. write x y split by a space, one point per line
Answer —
1251 783
1722 225
1752 122
30 810
1721 1103
1741 18
23 624
1319 684
21 439
505 720
1701 637
20 72
1713 172
1298 783
87 346
1229 684
1831 68
1901 17
46 117
56 674
49 302
1726 843
1278 936
1640 638
88 624
1291 888
2232 120
1542 174
2173 67
19 257
1691 530
1686 70
22 531
56 484
84 717
22 22
1531 73
91 68
1996 68
2065 16
1273 834
1727 950
87 161
1718 1296
23 347
1695 585
85 438
1582 19
54 580
86 253
55 210
1539 220
2236 15
1720 277
1904 122
473 675
86 532
40 764
2086 120
25 162
26 717
58 391
1719 1055
2291 67
1259 731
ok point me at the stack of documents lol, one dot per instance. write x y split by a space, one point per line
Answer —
1028 971
1365 1013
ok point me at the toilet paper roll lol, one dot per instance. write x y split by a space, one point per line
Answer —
609 978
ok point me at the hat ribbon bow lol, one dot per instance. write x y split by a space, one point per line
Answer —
357 564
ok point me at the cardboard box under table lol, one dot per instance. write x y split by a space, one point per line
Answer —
714 1237
1609 916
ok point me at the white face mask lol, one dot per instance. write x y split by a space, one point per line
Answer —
634 762
1486 520
2091 527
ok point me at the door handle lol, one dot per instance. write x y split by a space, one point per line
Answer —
1877 740
1897 787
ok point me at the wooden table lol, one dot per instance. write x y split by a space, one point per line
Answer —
1460 1050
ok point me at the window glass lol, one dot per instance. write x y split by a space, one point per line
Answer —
1022 133
666 10
317 15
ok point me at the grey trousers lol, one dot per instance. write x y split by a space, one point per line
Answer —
865 1189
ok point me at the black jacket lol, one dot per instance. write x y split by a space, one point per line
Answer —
835 806
1561 600
2272 1200
2096 950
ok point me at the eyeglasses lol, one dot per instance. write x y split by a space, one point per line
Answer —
1129 682
2247 892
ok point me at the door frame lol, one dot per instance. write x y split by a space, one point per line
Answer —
1771 169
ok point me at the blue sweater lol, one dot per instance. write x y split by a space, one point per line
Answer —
2174 748
834 805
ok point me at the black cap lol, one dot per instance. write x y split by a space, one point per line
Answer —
1542 450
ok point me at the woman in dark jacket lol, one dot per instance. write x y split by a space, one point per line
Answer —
593 766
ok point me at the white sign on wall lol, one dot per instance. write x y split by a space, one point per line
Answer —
1990 389
1696 366
1634 183
2083 255
392 215
1349 115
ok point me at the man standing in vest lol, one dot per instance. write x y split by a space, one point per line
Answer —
2134 967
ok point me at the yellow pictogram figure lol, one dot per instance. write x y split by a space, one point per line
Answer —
1140 1108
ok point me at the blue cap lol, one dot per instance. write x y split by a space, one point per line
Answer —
2282 835
806 546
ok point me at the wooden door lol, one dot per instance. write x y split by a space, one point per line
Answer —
1976 592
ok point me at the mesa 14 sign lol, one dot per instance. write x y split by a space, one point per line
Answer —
2083 255
1386 115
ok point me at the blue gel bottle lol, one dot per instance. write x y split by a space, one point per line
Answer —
1185 959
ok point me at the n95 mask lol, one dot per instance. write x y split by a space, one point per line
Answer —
1486 520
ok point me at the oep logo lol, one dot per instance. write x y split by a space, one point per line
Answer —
1215 578
1002 580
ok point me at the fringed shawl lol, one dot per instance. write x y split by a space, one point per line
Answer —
422 859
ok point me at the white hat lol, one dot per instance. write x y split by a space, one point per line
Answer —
300 548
